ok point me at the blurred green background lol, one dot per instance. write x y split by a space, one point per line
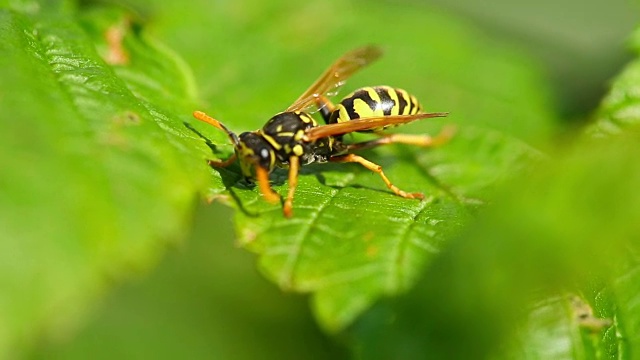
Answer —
582 44
206 299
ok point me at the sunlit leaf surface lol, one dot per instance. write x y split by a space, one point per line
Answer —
98 171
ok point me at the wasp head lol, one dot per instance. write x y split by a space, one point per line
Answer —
253 150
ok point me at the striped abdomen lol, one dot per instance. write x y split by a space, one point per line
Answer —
375 101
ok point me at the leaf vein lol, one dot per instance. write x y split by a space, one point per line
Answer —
289 268
395 278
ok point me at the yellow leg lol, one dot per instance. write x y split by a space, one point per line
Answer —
418 140
223 163
262 175
294 166
378 170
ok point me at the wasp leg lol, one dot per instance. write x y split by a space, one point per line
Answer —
222 163
294 166
418 140
325 107
378 170
262 175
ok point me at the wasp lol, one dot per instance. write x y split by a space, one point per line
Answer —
293 138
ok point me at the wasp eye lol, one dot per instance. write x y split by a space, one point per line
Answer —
264 153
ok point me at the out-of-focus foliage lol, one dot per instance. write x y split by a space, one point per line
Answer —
101 165
568 230
564 236
620 109
581 42
206 300
98 171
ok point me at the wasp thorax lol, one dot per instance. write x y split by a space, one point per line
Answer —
285 132
253 150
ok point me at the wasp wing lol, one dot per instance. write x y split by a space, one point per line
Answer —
365 124
336 75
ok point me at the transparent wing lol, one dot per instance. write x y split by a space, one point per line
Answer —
336 75
365 124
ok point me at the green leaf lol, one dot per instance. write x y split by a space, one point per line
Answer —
623 337
567 225
550 332
204 300
570 224
351 241
562 327
620 109
98 170
617 121
591 204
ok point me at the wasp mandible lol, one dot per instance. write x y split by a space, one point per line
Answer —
293 138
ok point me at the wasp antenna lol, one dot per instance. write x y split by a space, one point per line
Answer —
209 120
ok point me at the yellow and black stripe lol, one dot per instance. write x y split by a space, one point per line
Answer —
374 102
